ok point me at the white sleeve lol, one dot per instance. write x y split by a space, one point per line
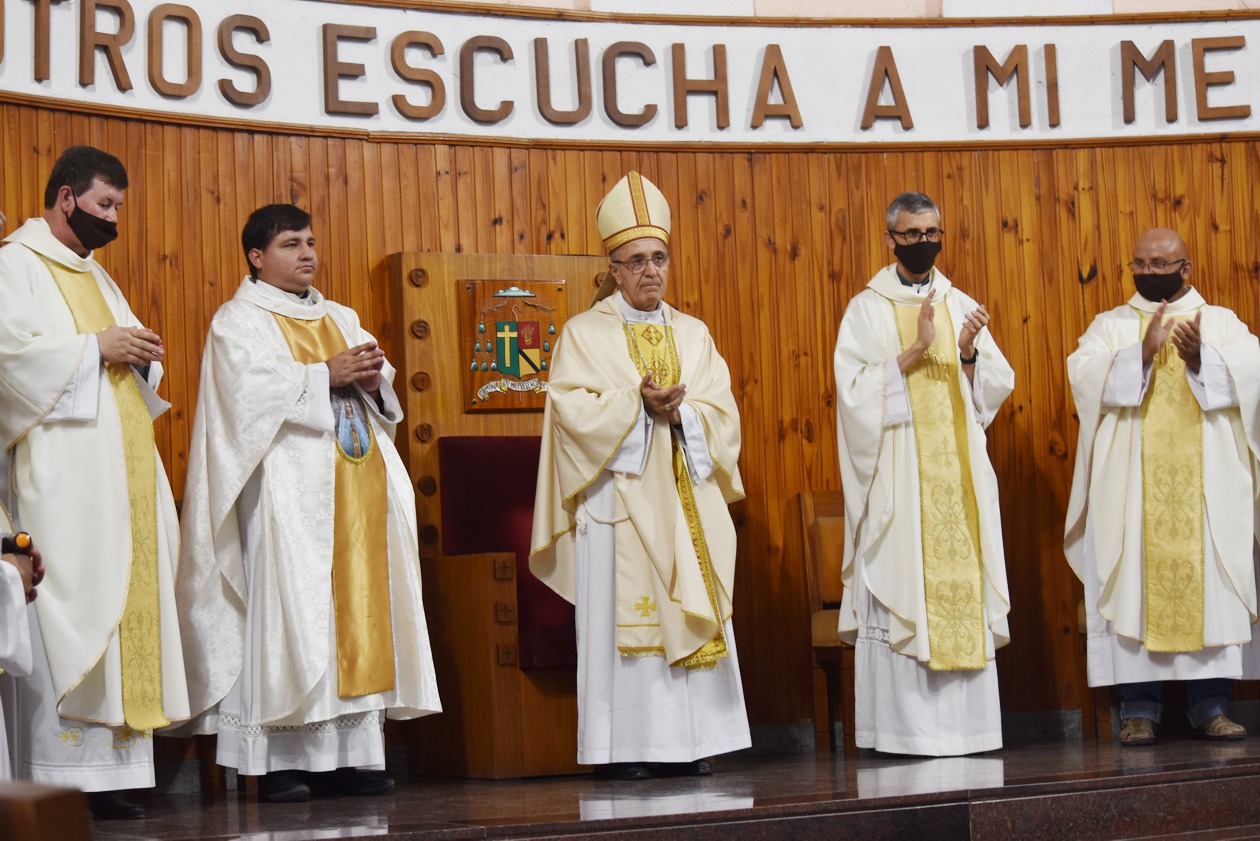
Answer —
1213 387
896 398
1128 379
314 409
82 394
15 631
390 408
631 457
694 443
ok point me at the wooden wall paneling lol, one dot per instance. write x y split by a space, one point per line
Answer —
556 205
762 427
410 214
481 178
995 227
1046 416
351 267
593 183
517 221
684 283
768 248
465 198
445 209
425 198
499 185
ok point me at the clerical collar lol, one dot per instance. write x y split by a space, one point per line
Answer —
306 299
635 316
916 286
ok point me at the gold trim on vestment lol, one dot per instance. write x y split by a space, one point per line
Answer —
139 628
950 518
360 571
637 232
1172 505
653 350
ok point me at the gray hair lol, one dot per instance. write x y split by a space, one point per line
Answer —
912 203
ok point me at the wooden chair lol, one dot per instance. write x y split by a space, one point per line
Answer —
822 541
504 645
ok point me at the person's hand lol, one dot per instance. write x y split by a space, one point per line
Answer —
360 364
25 566
663 401
130 345
1187 339
927 323
973 323
1156 334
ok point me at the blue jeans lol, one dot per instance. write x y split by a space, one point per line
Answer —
1205 699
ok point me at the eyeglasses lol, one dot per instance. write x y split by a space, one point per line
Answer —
638 263
1157 266
914 235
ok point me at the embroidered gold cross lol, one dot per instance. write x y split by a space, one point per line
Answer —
645 606
653 335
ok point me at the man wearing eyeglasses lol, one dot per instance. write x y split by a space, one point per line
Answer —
918 379
639 448
1161 524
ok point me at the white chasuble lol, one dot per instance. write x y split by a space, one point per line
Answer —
1127 495
904 704
256 570
71 485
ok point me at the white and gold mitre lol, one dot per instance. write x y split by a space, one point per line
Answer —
633 209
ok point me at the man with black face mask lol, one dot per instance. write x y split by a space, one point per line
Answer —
77 402
918 379
1161 522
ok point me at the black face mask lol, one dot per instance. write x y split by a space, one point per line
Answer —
92 231
1158 287
919 257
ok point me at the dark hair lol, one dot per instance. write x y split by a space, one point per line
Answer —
76 168
912 203
267 223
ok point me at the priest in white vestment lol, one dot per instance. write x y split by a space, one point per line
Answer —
1161 523
18 577
638 464
918 380
299 576
77 402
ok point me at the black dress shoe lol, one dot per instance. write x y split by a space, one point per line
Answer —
696 768
283 787
113 806
348 782
623 771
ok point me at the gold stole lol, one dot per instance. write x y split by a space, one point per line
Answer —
952 576
360 573
654 351
139 629
1172 505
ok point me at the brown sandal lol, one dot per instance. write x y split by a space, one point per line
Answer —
1137 732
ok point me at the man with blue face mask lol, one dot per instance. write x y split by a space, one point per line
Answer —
1161 525
918 379
77 402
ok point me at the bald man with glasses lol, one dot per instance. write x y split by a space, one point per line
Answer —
1161 524
918 380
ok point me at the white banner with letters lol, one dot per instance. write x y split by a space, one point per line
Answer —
378 68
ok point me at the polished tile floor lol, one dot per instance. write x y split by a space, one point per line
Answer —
756 788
